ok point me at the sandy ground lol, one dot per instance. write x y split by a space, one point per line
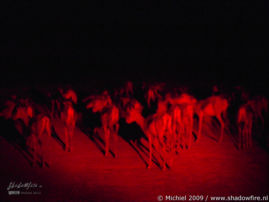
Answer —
85 174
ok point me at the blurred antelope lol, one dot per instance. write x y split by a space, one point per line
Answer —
110 125
40 125
68 117
153 93
23 111
244 124
157 129
259 107
185 103
177 126
9 107
109 116
214 106
70 94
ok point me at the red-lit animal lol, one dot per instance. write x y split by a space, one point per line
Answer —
23 112
9 107
153 93
186 104
56 103
187 119
259 107
214 106
68 117
244 125
157 128
122 103
70 94
110 124
98 102
177 127
39 127
109 117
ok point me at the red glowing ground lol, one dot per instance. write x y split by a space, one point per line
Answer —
208 168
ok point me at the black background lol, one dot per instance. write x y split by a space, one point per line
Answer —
186 40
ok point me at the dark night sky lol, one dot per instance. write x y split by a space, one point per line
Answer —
191 40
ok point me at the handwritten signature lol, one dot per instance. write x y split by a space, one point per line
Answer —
27 185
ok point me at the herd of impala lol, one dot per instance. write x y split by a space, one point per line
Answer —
171 119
